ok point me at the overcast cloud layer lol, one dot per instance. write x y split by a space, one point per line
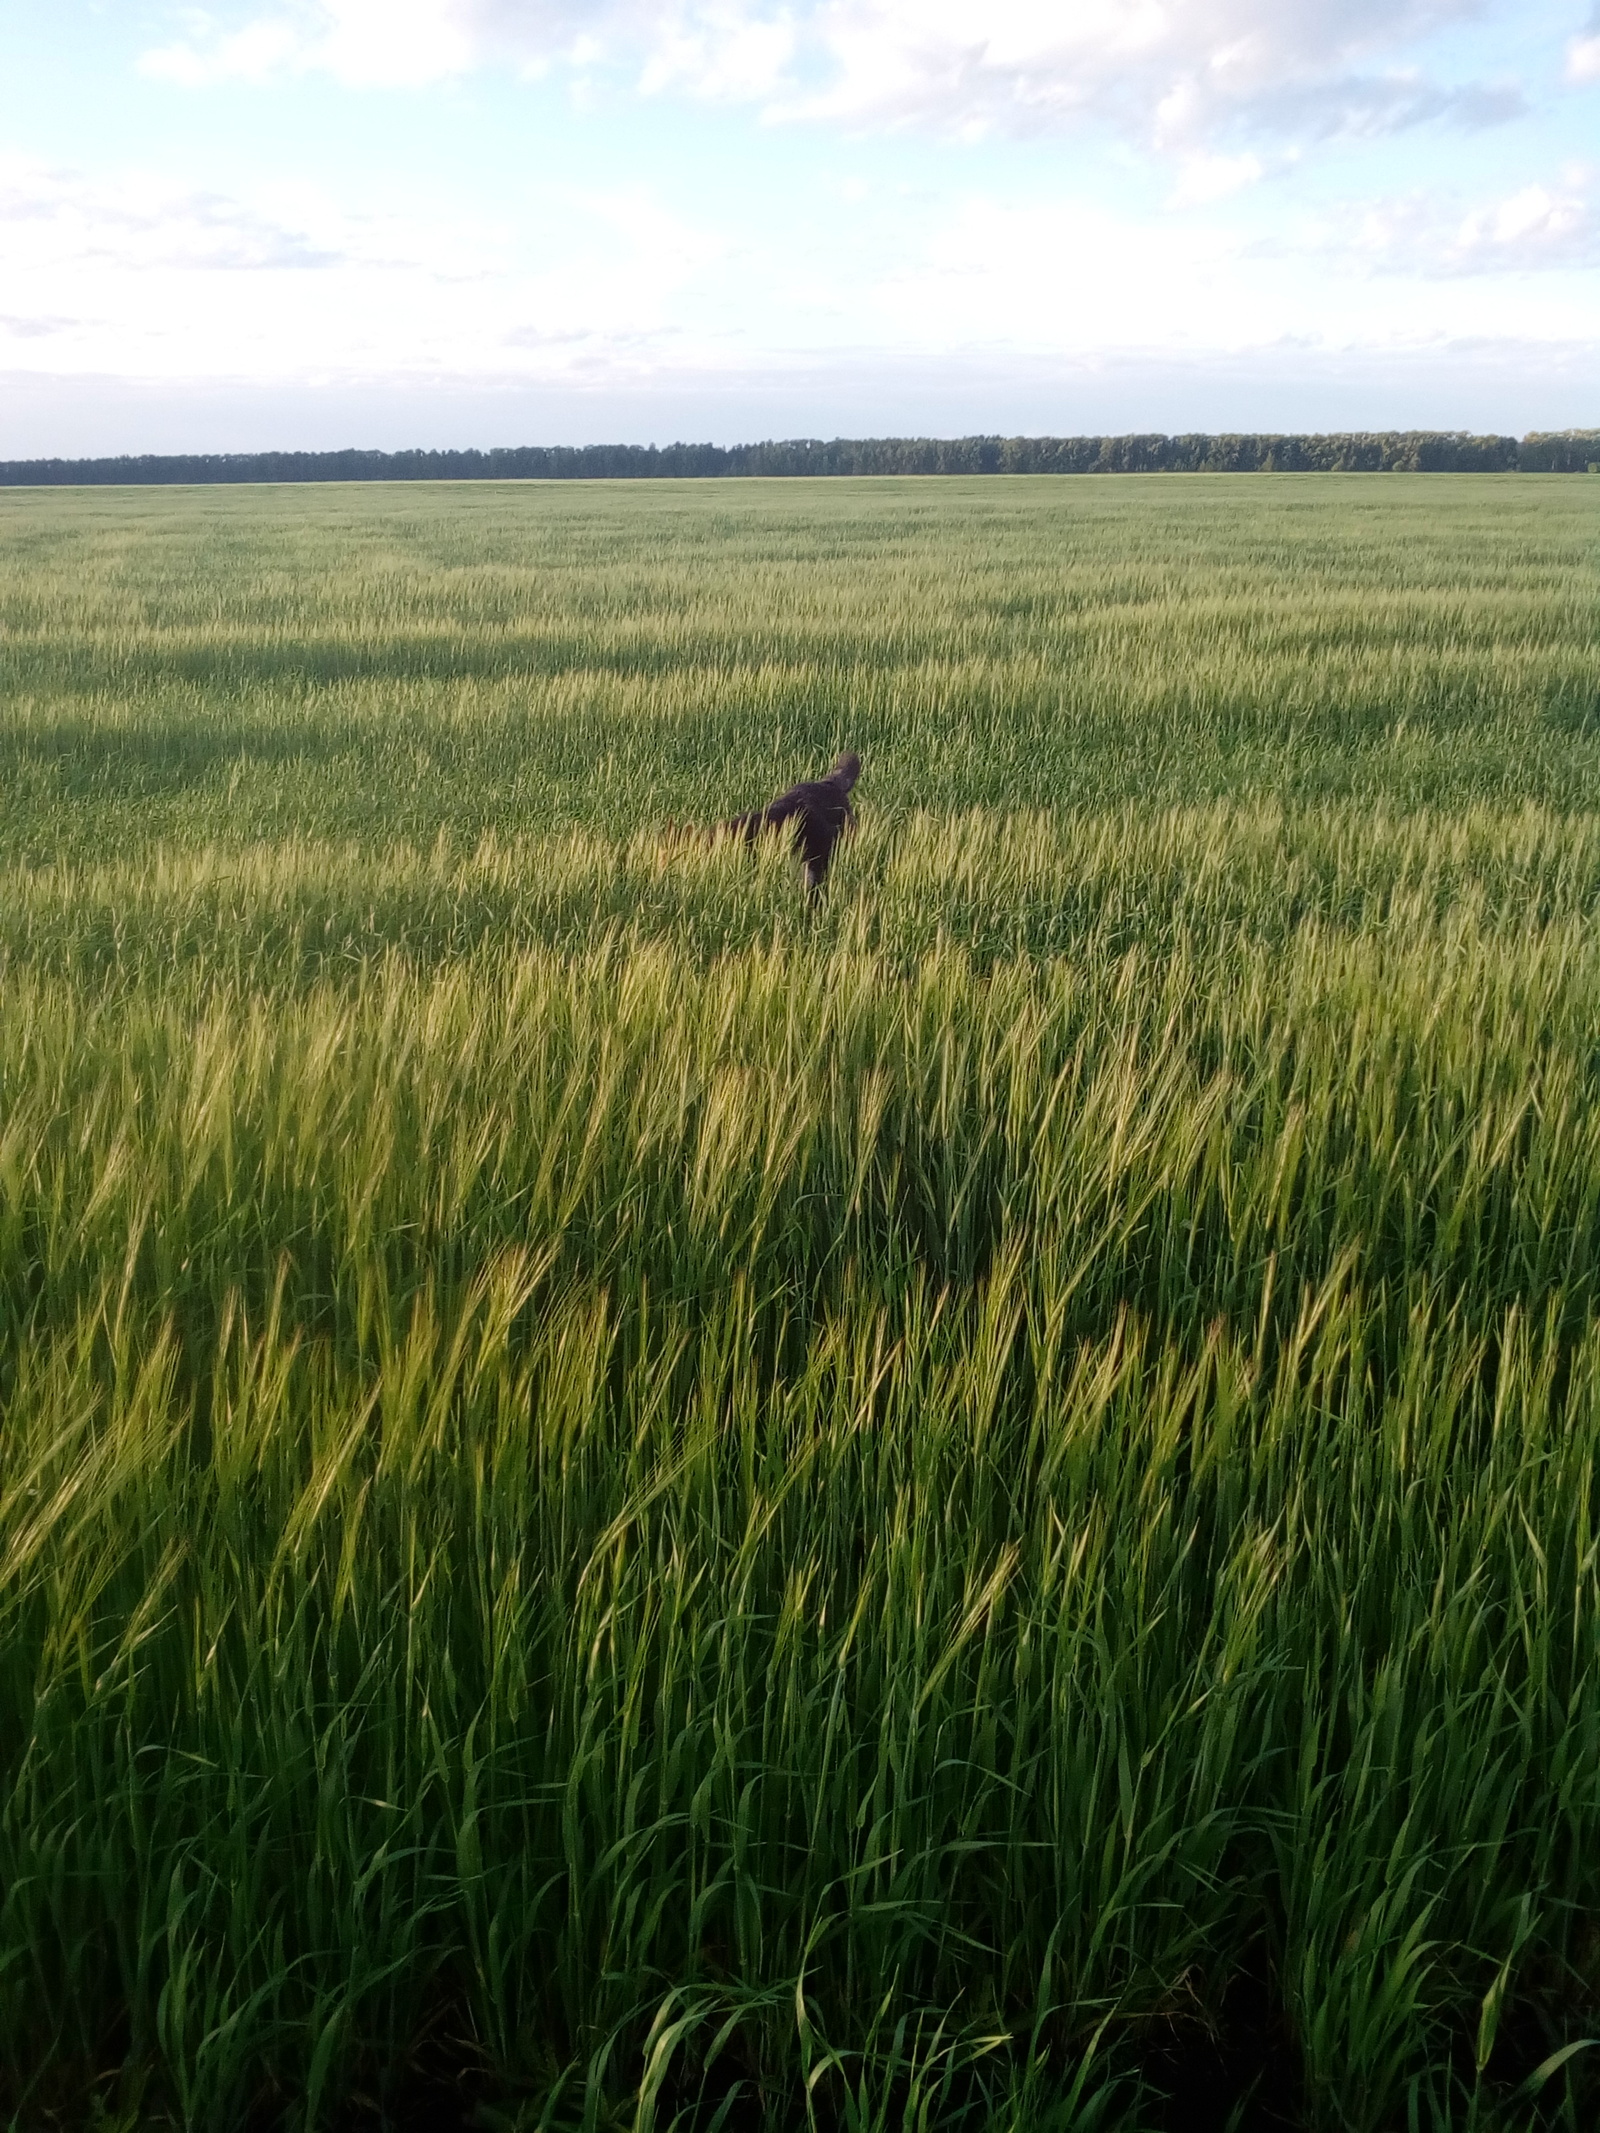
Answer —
480 221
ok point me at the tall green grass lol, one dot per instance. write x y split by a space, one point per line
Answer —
371 665
625 1505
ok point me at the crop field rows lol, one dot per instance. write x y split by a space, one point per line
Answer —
627 1504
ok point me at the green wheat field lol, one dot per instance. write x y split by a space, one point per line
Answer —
625 1507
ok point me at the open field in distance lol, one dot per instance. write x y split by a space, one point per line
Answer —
213 667
622 1505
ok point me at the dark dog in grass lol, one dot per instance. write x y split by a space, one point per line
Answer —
817 814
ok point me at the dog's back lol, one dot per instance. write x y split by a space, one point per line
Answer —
818 809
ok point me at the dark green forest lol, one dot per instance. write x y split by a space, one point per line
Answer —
1338 452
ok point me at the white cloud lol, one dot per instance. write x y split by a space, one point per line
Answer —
720 52
23 327
711 48
1536 226
80 225
363 43
254 53
126 274
1583 58
614 281
1178 72
1203 179
1066 275
612 290
1540 228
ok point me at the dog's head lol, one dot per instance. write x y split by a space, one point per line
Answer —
845 771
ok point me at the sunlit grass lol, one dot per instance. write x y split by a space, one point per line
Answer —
894 1515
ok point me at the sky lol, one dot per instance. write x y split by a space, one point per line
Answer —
311 223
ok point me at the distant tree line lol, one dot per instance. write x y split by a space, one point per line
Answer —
1341 452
